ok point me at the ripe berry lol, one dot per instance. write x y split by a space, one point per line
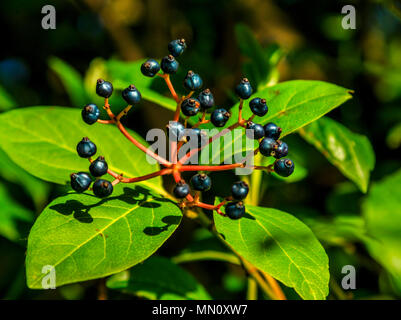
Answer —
272 131
239 190
220 117
267 146
131 95
104 88
90 113
169 64
281 149
201 182
190 107
102 188
175 130
206 99
86 148
284 167
199 135
181 190
192 81
255 129
150 67
244 89
177 47
80 181
258 106
98 167
235 210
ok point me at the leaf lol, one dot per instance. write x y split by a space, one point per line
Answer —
280 245
351 153
84 237
158 279
11 215
42 140
6 101
393 139
125 73
382 213
34 187
71 80
292 105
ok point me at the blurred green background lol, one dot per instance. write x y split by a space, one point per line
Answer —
59 67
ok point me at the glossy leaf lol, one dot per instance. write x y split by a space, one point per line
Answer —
282 246
260 67
11 215
84 237
351 153
382 213
292 105
42 140
158 279
71 80
35 188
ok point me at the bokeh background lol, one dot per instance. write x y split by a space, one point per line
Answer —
366 60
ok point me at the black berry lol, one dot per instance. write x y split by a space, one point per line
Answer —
201 182
220 117
102 188
90 113
258 106
181 190
80 181
239 190
244 89
86 148
284 167
272 131
235 210
169 64
150 67
177 47
192 81
131 95
190 107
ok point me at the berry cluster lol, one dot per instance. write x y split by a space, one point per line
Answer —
268 137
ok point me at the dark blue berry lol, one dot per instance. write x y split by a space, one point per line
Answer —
220 117
131 95
235 210
244 89
102 188
181 190
272 131
201 182
198 134
258 106
169 64
192 81
239 190
267 146
104 88
281 149
175 130
98 167
190 107
90 113
284 167
80 181
177 47
206 99
86 148
255 129
150 67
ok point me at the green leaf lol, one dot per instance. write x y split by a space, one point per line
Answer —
292 105
260 69
280 245
35 188
84 237
158 279
11 215
42 140
6 101
393 138
382 214
125 73
350 152
71 80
